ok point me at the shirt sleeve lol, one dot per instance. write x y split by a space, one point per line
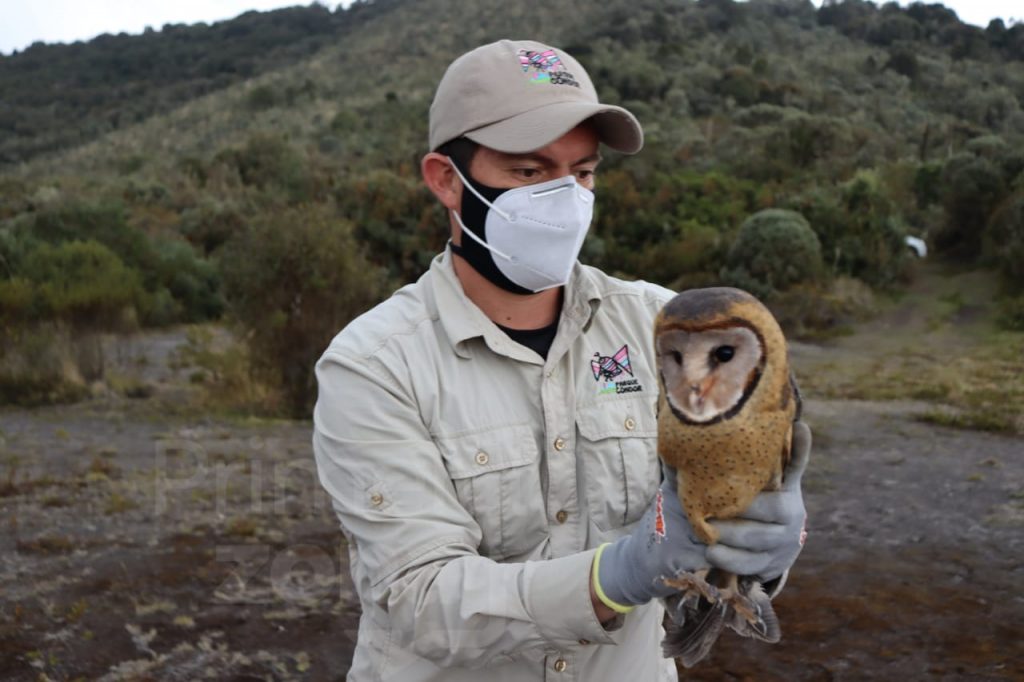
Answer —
416 542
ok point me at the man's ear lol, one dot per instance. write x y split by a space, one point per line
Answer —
442 180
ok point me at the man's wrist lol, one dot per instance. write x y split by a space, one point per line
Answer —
603 613
597 593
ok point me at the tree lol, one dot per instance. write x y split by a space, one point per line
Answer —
293 279
775 249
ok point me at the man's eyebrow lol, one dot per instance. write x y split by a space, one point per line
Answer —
542 159
593 158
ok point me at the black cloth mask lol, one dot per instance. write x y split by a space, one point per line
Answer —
474 216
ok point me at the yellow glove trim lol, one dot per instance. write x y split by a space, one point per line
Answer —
595 579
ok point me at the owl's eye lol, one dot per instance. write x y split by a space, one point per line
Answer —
723 353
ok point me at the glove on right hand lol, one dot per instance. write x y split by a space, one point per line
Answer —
629 571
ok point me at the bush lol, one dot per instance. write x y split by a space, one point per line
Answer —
973 187
192 286
1005 241
270 163
813 311
860 230
83 283
179 286
396 218
210 224
39 364
1011 313
292 281
774 250
669 228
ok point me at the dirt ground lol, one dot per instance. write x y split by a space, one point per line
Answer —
141 541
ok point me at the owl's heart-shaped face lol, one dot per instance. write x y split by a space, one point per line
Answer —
708 373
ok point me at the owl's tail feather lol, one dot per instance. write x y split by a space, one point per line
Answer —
765 624
693 625
691 630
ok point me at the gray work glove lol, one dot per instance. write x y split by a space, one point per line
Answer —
629 571
767 538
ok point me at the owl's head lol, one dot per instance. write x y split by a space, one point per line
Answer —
710 352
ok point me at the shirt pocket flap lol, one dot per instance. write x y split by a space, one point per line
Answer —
493 449
623 418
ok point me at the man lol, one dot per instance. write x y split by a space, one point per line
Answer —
488 434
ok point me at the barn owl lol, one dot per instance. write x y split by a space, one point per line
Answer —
725 424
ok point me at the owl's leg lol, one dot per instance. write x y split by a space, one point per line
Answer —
731 595
693 586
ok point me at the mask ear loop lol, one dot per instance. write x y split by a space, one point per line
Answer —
491 206
479 241
466 183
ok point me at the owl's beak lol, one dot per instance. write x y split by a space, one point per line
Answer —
700 391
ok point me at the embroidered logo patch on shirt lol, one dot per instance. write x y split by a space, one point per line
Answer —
545 67
614 373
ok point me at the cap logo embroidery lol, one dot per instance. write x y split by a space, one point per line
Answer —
545 67
611 372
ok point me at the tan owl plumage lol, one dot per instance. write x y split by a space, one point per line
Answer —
726 412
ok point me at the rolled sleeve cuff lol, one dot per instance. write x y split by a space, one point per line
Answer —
557 597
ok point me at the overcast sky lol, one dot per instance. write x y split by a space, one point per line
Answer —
22 22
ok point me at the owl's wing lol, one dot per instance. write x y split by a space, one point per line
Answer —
796 396
787 451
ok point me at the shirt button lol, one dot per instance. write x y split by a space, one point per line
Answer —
561 516
376 499
630 423
584 642
482 458
560 665
559 444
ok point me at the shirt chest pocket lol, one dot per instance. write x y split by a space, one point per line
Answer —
617 444
496 474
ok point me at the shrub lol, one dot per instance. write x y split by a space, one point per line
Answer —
179 286
269 162
1005 241
210 224
83 283
398 220
1011 313
860 230
292 281
191 284
38 365
973 187
774 250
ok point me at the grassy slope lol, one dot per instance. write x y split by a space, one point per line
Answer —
937 344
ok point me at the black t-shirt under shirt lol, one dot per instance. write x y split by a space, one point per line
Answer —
537 340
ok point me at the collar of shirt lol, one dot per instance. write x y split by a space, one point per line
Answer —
463 320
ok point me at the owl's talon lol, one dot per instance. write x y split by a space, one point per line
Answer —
693 586
743 606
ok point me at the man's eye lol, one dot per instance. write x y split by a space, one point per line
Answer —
527 173
584 174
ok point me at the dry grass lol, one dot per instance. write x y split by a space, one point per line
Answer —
938 345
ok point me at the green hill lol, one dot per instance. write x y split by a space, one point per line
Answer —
871 122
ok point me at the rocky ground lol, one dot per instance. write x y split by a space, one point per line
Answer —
143 541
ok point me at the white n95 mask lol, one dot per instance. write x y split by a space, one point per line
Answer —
531 236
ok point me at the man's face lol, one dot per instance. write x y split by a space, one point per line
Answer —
575 153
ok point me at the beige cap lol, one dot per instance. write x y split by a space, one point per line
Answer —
518 96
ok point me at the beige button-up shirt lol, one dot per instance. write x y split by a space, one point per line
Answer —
473 481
